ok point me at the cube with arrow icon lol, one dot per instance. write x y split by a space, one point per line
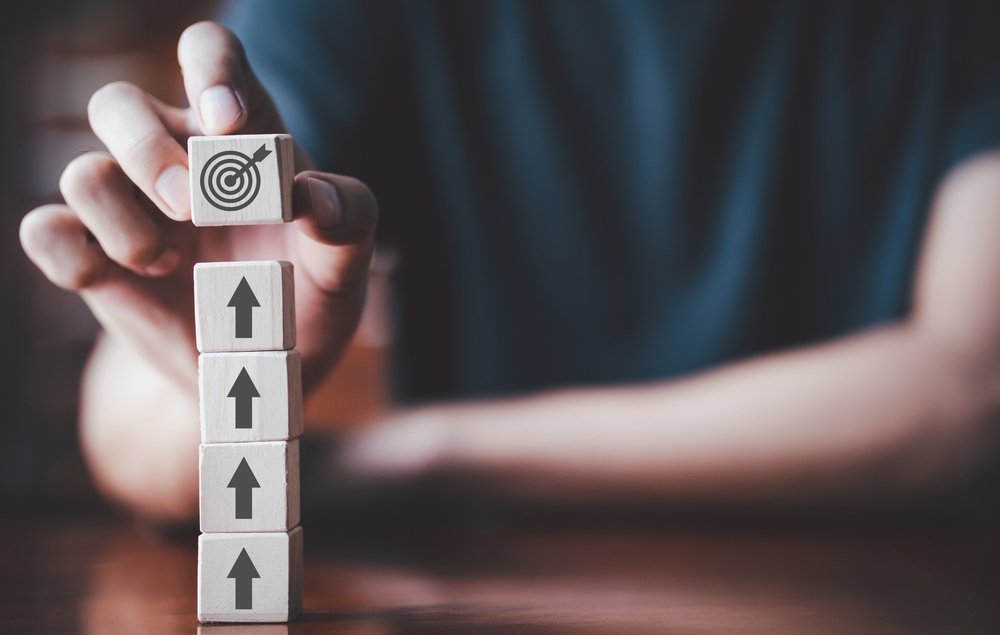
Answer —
252 396
250 577
249 486
244 306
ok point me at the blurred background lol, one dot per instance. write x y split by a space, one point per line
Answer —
454 576
55 54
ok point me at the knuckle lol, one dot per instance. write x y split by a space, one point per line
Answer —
51 239
79 275
110 95
87 175
140 251
207 30
207 47
137 148
34 230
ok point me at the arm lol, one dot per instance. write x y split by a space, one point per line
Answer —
875 413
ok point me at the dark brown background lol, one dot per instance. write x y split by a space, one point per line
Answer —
52 54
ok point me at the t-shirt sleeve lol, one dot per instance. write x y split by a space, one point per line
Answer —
320 61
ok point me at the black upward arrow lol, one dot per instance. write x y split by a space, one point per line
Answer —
244 572
244 482
244 392
243 301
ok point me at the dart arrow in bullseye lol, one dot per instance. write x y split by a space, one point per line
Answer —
244 482
244 392
258 156
244 572
243 301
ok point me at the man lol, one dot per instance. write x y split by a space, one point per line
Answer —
611 215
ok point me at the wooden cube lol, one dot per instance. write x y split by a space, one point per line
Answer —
249 486
241 179
250 577
244 306
250 396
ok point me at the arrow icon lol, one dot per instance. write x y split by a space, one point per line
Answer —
258 156
244 392
244 482
244 572
243 301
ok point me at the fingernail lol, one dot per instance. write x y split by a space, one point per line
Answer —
174 188
325 204
219 107
164 264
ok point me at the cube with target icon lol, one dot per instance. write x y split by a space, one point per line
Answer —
241 179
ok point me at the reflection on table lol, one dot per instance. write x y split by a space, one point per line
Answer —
107 579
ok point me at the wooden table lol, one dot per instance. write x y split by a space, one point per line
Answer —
103 577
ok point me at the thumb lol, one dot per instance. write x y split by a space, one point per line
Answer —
224 94
337 216
332 209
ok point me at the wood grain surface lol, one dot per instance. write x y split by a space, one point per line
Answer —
274 502
276 592
273 287
257 192
275 414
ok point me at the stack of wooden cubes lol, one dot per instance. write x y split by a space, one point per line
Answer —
250 382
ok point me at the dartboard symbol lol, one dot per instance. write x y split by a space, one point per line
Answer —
230 180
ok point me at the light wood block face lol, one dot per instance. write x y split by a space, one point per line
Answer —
244 306
250 577
241 179
252 487
250 396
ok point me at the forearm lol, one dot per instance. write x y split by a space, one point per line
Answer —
139 432
875 413
879 412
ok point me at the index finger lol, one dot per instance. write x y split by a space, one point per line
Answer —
131 125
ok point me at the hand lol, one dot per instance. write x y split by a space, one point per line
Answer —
123 241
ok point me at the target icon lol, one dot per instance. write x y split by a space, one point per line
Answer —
230 180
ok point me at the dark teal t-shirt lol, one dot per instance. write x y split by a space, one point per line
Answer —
593 192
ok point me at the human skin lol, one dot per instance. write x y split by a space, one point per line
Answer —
124 241
873 414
